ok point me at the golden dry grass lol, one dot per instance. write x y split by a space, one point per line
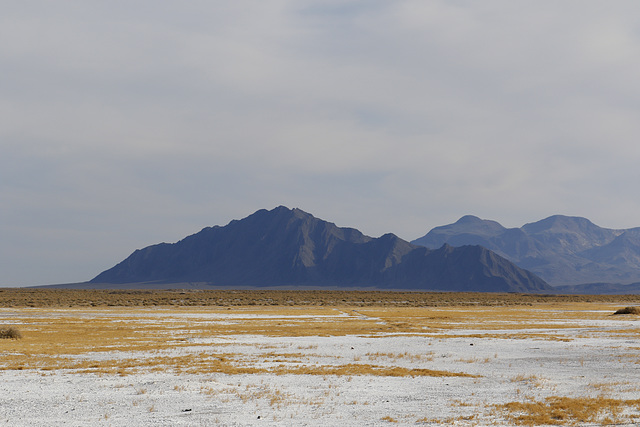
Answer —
81 339
557 410
102 341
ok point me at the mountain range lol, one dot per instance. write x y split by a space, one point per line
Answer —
289 247
565 251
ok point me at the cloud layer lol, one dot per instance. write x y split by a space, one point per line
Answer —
125 124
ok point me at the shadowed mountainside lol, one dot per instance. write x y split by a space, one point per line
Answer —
600 289
560 249
289 247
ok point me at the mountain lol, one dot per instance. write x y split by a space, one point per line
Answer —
563 250
289 247
600 288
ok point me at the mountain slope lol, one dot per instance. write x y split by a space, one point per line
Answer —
560 249
285 247
600 288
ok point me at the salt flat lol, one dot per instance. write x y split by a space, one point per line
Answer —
352 366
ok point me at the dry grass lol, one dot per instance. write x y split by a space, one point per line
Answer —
530 380
48 297
74 338
616 387
233 364
413 358
557 410
366 369
94 340
554 316
462 419
274 396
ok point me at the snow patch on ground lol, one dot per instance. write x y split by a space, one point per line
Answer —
506 368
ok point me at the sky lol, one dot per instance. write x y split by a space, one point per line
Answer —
129 123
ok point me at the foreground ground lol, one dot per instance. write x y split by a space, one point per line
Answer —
318 359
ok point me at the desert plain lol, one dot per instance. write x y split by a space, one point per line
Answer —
245 358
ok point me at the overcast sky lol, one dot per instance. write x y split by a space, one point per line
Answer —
129 123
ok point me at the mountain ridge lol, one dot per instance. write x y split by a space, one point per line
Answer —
283 247
563 250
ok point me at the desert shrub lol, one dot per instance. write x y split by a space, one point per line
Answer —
628 310
10 333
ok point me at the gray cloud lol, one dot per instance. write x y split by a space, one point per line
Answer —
129 123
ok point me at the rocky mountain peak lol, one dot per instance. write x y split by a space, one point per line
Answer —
563 250
293 248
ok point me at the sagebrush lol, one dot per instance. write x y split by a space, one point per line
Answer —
628 310
10 333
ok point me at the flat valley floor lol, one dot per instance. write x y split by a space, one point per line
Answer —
555 362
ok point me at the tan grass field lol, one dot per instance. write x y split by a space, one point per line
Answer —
464 359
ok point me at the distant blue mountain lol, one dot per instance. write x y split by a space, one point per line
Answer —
289 247
563 250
